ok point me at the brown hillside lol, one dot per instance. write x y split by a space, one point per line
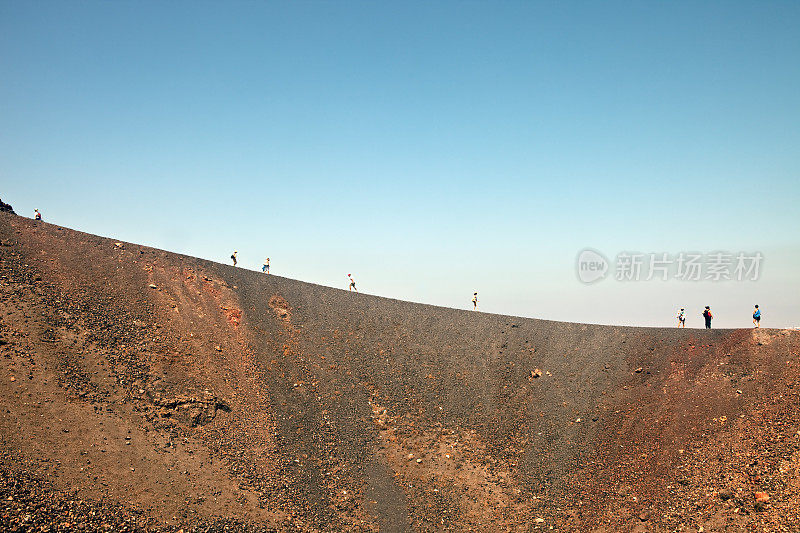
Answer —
145 390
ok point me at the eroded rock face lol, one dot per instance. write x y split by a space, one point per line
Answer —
6 208
192 409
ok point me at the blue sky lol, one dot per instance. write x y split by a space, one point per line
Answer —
431 149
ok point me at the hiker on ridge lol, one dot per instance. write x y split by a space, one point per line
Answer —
265 268
352 284
708 316
475 301
233 257
682 318
757 317
38 215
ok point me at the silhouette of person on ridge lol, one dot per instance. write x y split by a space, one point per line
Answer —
233 257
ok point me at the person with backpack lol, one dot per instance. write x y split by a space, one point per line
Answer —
233 257
37 215
352 284
708 316
475 301
265 268
757 317
682 318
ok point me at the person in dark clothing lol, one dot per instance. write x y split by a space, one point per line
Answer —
708 316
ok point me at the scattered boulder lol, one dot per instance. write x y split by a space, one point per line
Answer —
280 306
6 208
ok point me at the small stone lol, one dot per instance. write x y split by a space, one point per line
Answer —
419 461
153 286
218 348
639 370
536 373
761 497
644 516
539 520
13 378
725 494
738 391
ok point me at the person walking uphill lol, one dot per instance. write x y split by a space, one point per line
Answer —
352 284
37 215
708 316
233 257
475 301
265 268
757 317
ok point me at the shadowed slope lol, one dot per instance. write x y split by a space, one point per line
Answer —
164 390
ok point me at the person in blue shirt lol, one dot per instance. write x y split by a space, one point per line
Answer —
757 317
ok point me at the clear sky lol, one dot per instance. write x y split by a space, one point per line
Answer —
431 149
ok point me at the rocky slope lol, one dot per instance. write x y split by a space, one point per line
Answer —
145 390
